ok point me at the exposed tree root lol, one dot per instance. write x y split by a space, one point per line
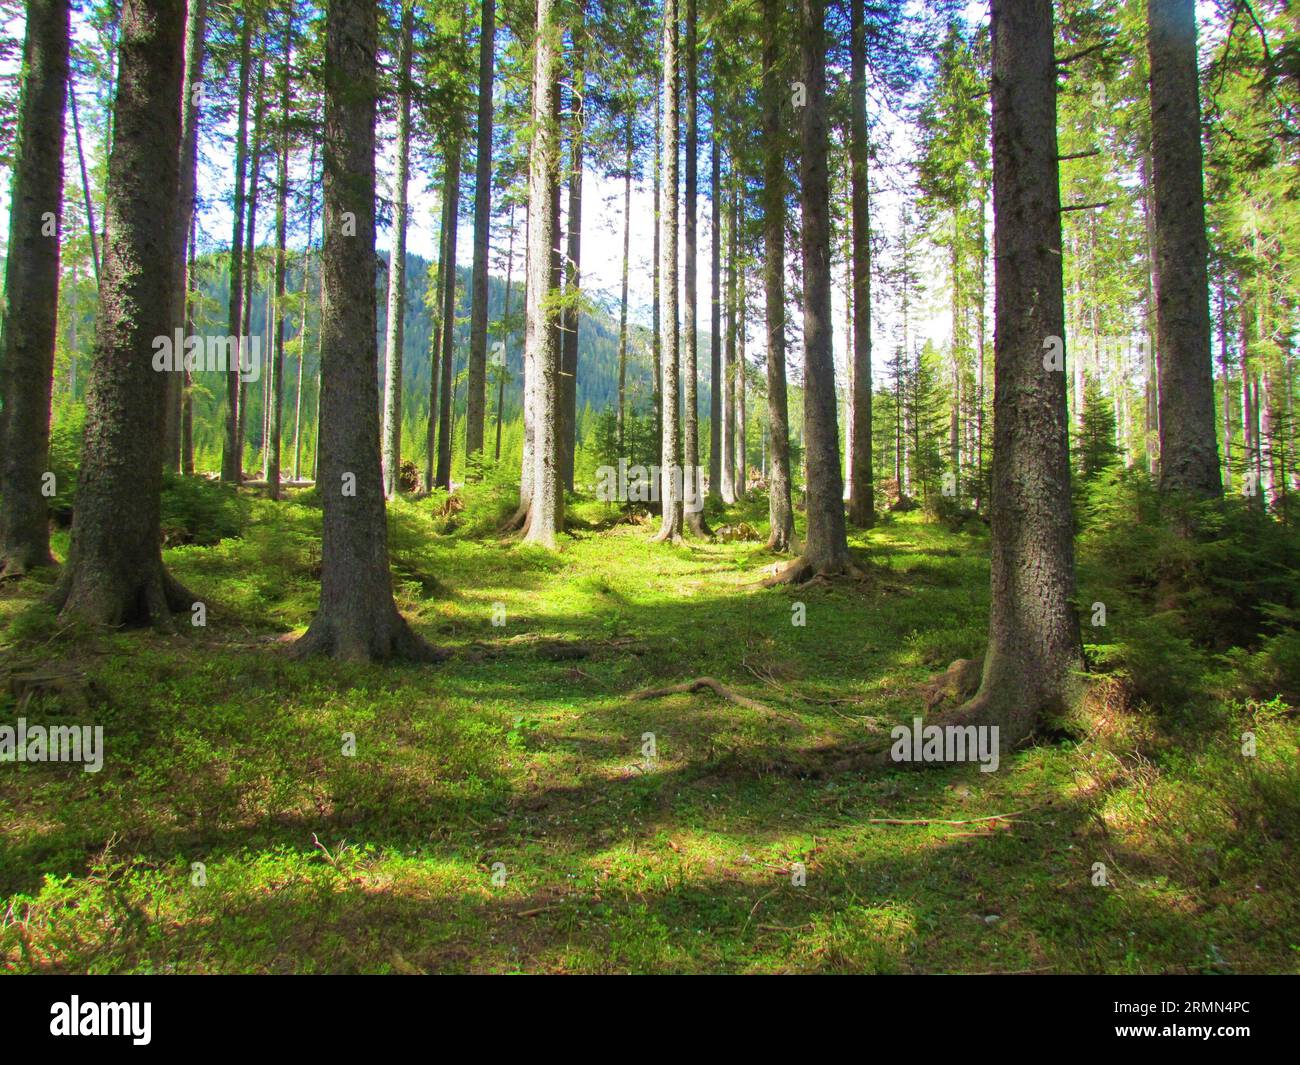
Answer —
18 565
97 598
803 570
518 521
355 642
668 534
700 684
698 526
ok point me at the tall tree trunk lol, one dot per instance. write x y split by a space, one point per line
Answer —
357 618
546 506
656 311
1034 647
276 416
435 340
250 248
520 519
504 369
827 549
27 336
195 29
115 573
302 332
780 512
670 441
862 505
87 199
627 247
391 456
476 399
1189 459
1225 376
232 451
729 352
443 476
715 302
742 331
573 256
693 490
187 397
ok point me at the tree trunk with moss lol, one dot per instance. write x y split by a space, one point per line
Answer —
1189 456
670 440
826 551
391 456
862 504
32 290
357 618
780 512
546 503
115 573
476 393
1034 645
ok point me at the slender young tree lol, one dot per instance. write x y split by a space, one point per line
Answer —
1189 456
862 506
715 300
629 133
27 335
276 390
476 400
232 459
1034 647
729 348
693 490
780 511
573 251
545 516
115 573
670 462
391 457
451 176
357 618
192 87
446 367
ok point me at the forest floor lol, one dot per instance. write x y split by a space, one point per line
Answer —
499 812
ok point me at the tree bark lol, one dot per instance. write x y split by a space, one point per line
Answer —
546 503
357 619
715 302
250 250
27 337
1189 459
627 247
476 399
670 441
505 334
391 457
862 504
693 490
195 30
231 455
1034 647
115 573
573 256
452 217
780 512
276 390
826 551
729 353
